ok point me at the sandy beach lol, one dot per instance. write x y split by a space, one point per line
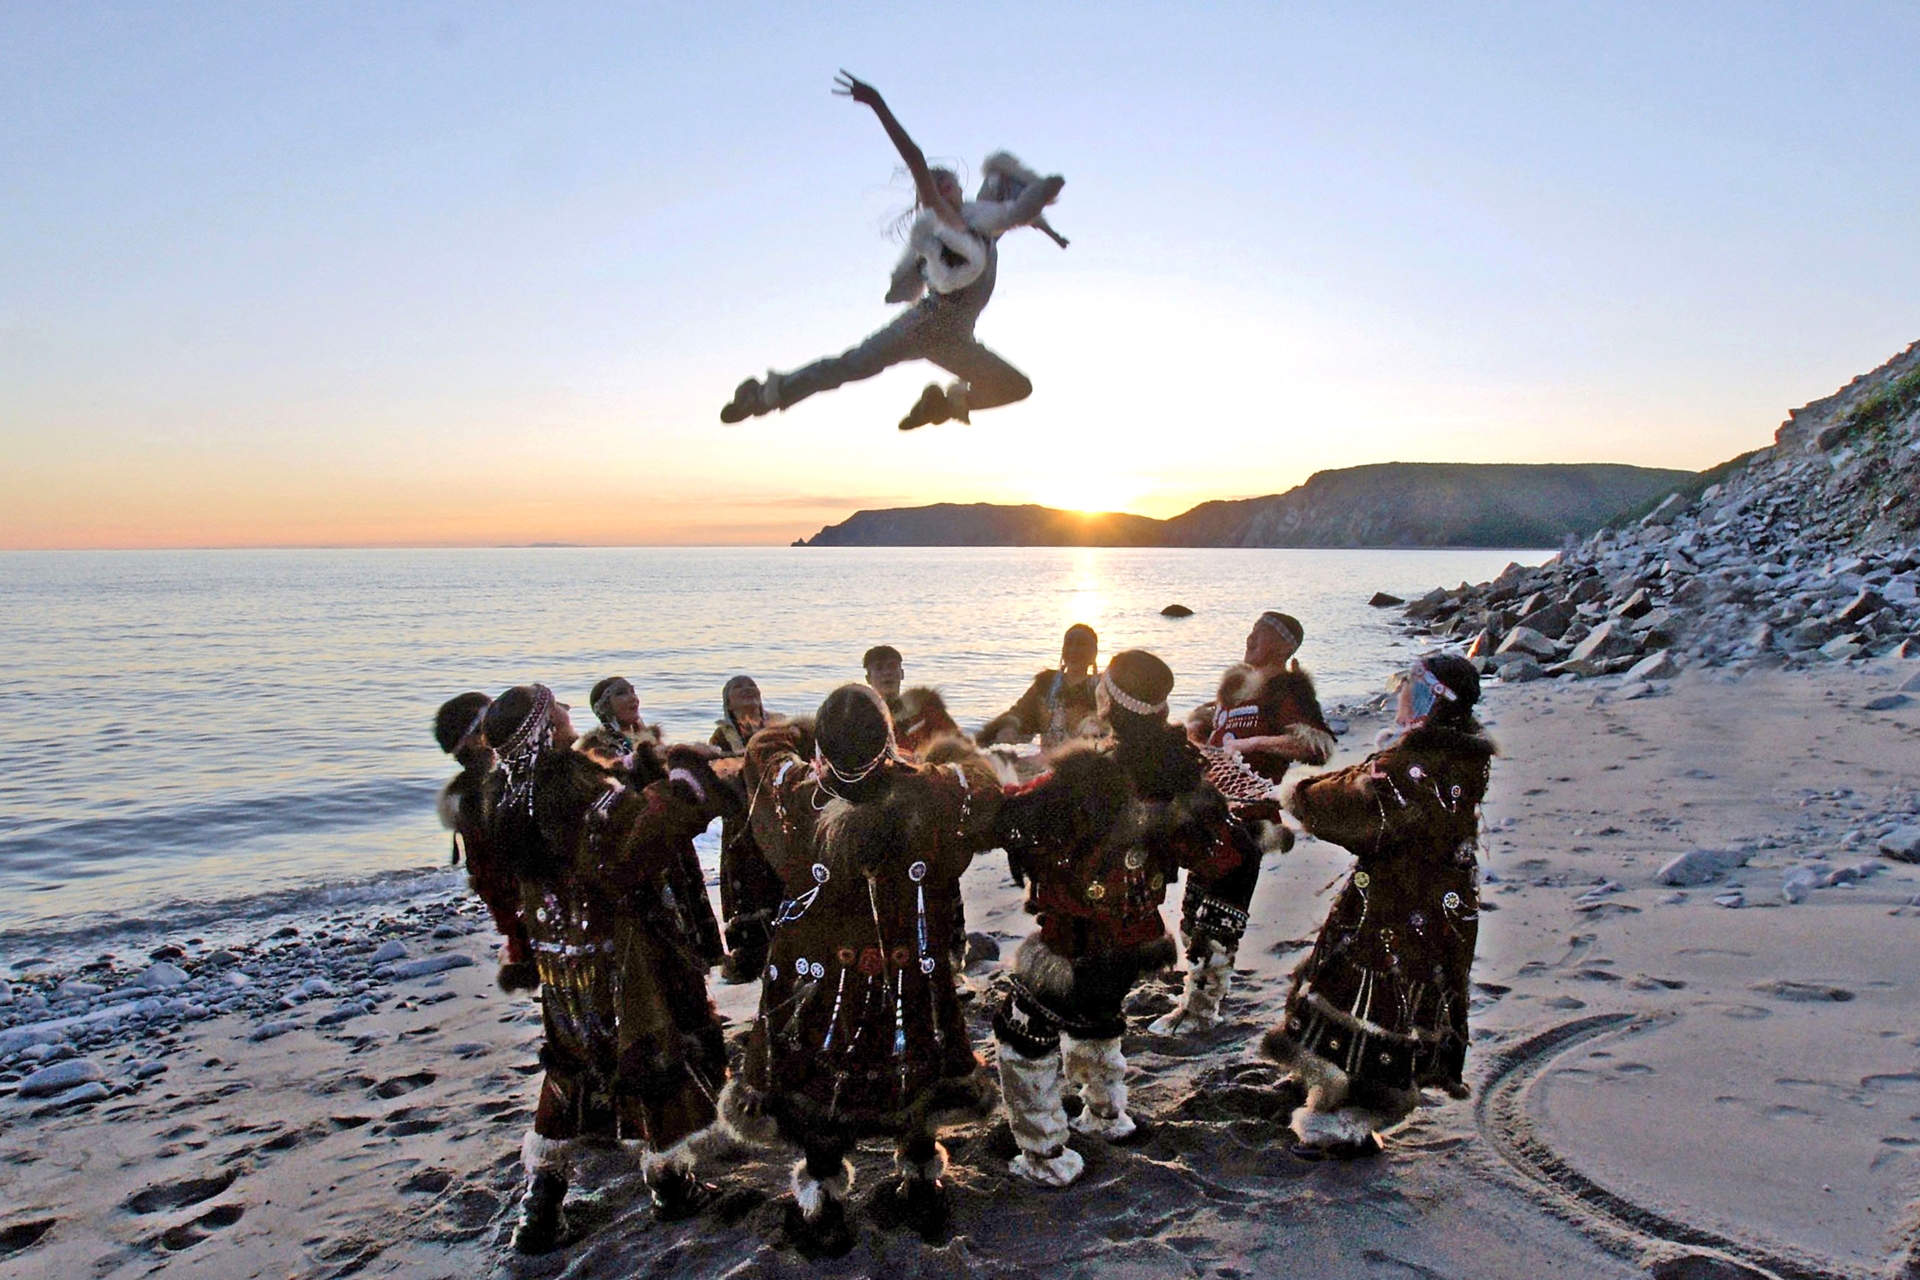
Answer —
1661 1073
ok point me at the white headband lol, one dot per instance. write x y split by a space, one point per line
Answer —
1127 702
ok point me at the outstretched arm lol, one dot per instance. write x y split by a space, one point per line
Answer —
847 86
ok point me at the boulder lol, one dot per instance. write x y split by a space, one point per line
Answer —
1608 640
1430 604
1637 605
1902 844
1176 611
1908 648
1798 884
1862 606
390 950
1840 648
1528 641
1381 600
1887 702
1518 668
1700 866
1586 589
1666 513
1810 634
1655 666
1549 620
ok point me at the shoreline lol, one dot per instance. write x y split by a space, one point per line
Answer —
1743 1076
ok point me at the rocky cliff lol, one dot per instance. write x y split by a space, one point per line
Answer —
1395 504
1805 551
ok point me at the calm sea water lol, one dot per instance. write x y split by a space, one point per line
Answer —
198 727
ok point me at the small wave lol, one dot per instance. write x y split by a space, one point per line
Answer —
85 846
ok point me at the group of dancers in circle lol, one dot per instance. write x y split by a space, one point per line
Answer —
844 836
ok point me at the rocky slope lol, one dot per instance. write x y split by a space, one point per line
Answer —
1393 504
1805 551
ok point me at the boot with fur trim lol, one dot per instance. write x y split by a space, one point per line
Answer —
1099 1070
1038 1117
543 1222
1345 1133
1202 992
915 1197
816 1221
671 1183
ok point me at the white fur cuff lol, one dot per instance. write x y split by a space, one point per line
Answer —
545 1155
812 1196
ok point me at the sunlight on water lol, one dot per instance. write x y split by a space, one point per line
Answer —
202 725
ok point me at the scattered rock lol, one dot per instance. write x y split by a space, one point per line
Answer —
391 950
1798 884
1655 666
271 1030
1526 641
1887 702
1176 611
162 976
981 948
1902 844
421 968
60 1077
1700 866
1381 600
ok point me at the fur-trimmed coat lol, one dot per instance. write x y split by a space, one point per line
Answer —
629 1027
1052 707
462 810
920 717
1382 997
1251 703
859 1027
1097 857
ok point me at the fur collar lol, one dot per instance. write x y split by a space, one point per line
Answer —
1242 683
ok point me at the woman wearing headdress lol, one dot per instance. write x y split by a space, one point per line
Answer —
1059 705
625 742
458 729
1097 840
1378 1009
860 1032
621 732
952 258
633 1046
750 892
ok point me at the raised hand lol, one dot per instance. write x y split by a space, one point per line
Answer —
846 85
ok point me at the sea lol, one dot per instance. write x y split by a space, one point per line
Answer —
193 736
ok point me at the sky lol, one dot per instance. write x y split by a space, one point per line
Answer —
472 274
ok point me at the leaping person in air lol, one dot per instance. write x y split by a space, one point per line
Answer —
947 273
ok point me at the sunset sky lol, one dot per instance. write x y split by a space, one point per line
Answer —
476 274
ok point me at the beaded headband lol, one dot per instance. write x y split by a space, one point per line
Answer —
1127 702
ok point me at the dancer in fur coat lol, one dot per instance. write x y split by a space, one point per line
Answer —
952 258
1379 1007
457 728
1264 717
633 1047
1059 705
1097 841
624 742
750 892
860 1032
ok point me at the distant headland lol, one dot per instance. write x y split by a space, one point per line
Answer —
1390 504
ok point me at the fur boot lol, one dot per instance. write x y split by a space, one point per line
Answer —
1344 1132
1201 995
671 1175
1038 1117
1099 1070
817 1220
543 1221
915 1196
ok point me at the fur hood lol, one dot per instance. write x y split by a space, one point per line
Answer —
922 718
1469 739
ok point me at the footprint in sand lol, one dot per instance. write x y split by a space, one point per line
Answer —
23 1235
178 1195
403 1084
1804 992
407 1121
189 1234
1633 1068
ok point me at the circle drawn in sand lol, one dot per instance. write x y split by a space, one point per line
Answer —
1502 1114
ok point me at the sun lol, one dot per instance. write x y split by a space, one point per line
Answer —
1088 493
